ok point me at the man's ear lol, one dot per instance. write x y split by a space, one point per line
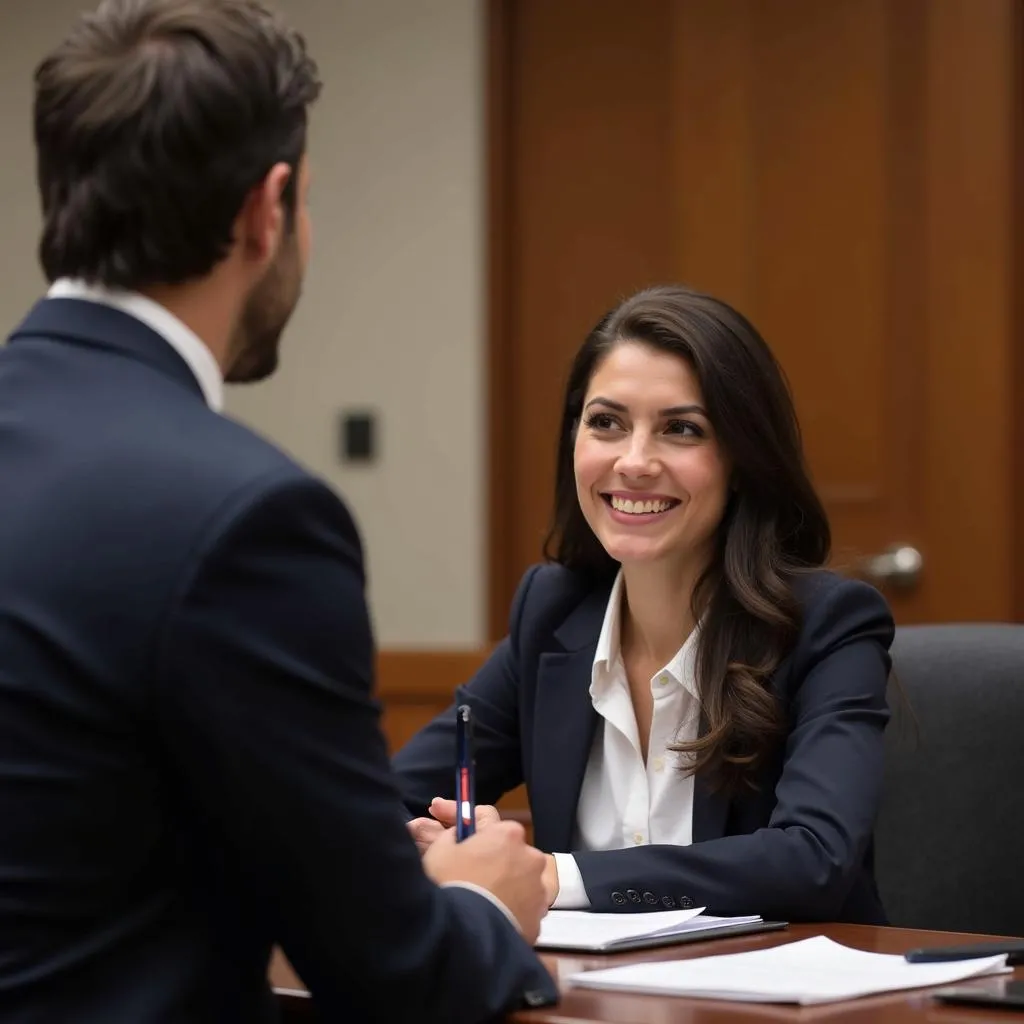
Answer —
262 220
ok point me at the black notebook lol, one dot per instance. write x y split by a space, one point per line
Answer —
586 932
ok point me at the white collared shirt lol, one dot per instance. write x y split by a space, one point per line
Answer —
623 800
180 337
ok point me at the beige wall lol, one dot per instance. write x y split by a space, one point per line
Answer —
392 315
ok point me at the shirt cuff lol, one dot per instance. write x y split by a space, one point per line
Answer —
487 895
572 893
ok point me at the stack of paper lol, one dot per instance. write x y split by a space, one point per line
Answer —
815 970
583 930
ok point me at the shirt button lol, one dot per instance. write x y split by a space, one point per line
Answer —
638 838
659 763
663 679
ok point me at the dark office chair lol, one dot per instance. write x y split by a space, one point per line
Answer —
950 835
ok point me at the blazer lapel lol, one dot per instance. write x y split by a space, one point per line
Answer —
564 724
564 727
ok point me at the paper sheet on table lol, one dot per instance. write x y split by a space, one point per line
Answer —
811 971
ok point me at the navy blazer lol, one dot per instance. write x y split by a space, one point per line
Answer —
799 848
191 768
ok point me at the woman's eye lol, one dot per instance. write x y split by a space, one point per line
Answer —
600 421
683 428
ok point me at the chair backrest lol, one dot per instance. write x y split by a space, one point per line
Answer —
950 834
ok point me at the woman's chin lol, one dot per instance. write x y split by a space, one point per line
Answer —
633 553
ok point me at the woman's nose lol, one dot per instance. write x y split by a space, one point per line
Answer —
636 460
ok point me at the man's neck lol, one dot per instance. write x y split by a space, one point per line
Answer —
207 309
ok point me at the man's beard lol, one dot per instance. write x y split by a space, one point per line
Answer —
264 318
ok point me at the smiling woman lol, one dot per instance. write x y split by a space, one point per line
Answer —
695 705
677 390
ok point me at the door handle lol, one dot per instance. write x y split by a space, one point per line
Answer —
899 567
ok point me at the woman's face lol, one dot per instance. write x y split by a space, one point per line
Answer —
651 478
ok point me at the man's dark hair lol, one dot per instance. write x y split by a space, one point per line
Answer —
153 121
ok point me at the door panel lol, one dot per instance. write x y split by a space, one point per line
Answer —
843 171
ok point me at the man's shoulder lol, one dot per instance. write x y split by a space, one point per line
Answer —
227 453
195 459
190 474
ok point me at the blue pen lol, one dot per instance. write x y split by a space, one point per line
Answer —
465 775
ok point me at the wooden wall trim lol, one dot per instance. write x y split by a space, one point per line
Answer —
425 675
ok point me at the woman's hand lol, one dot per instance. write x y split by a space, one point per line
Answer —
426 831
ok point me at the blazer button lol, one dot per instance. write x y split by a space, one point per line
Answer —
634 896
667 901
535 997
649 897
686 903
618 899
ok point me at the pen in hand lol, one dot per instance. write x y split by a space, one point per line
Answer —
465 782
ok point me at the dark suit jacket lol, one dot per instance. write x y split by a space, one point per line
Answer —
191 767
799 848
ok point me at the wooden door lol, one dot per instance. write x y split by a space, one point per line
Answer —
845 173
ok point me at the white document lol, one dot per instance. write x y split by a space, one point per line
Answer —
583 930
815 970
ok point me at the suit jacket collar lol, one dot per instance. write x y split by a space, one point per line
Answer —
566 723
90 324
171 328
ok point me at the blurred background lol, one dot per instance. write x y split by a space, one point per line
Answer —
489 177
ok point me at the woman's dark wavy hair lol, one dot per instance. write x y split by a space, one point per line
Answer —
773 529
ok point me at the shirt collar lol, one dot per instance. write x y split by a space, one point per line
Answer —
178 335
682 667
607 652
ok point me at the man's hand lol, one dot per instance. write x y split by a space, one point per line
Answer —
445 811
499 860
426 831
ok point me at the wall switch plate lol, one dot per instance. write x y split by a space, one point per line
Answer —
358 437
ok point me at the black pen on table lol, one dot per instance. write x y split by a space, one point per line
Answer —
1013 948
465 774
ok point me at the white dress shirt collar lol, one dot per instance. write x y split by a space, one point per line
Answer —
180 337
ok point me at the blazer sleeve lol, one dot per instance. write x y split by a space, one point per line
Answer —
801 866
264 694
425 766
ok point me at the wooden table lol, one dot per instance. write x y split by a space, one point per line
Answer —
590 1006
